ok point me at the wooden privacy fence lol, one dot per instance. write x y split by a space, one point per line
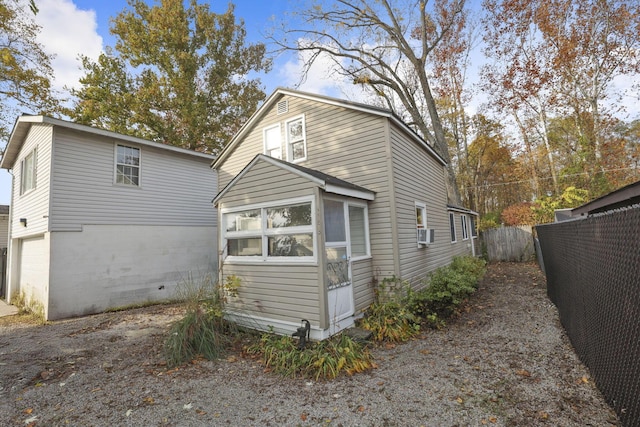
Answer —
509 243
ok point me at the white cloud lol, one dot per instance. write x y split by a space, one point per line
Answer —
67 32
628 88
321 78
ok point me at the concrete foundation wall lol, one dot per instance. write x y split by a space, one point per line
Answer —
107 266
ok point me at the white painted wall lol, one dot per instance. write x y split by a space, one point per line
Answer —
107 266
33 269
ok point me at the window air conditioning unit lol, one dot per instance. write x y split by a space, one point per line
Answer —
426 236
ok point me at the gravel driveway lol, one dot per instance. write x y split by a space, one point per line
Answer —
505 362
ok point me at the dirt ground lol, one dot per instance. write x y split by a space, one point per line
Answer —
505 361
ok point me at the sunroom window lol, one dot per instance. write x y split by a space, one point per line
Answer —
284 230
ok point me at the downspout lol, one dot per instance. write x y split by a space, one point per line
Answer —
8 262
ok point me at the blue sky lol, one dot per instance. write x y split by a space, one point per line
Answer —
74 27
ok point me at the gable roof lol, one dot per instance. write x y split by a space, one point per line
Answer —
279 92
24 122
328 183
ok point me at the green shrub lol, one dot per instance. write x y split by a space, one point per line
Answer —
390 321
448 287
472 266
325 359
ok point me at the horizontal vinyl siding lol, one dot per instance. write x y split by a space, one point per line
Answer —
345 143
362 276
265 182
287 293
33 205
174 189
419 178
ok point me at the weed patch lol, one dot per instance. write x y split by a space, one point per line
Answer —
322 360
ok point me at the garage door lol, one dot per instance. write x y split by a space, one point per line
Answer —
34 274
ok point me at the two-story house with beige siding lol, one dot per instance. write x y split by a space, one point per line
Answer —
319 199
101 220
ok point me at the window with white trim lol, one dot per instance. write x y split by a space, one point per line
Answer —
421 223
127 165
28 172
452 227
272 141
465 230
474 231
296 139
358 234
271 232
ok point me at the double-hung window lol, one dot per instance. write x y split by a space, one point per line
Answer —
296 139
452 226
127 165
465 230
272 144
271 232
421 223
28 172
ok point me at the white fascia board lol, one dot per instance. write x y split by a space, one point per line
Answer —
349 192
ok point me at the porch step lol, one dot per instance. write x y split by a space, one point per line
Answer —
358 334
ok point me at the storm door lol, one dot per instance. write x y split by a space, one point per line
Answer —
338 265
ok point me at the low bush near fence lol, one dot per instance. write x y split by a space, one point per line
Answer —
450 286
399 316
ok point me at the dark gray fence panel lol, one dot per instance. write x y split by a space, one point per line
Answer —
593 277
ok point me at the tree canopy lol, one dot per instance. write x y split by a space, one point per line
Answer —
179 75
388 47
25 68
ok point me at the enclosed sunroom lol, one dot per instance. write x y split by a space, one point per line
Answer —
298 241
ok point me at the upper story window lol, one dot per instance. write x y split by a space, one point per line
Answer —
28 172
465 229
452 226
272 142
296 139
127 165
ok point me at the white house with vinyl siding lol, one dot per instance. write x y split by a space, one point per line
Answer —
101 220
319 199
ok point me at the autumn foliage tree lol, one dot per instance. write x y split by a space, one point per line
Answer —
178 74
556 61
519 214
25 68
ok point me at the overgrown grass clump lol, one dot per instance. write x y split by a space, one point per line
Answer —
390 321
322 360
202 331
29 307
